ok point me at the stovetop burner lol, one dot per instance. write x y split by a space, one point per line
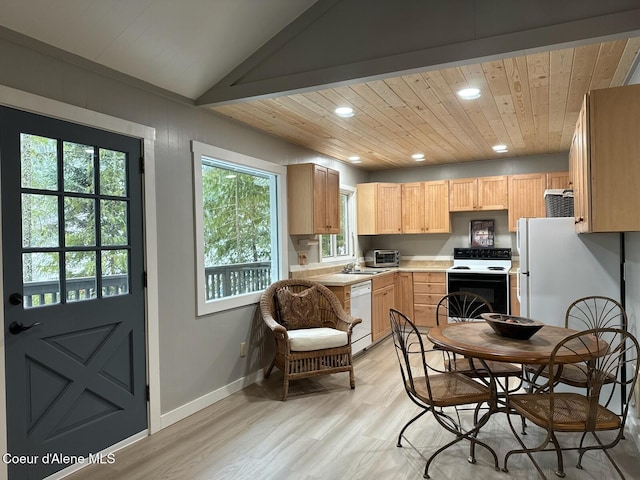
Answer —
481 260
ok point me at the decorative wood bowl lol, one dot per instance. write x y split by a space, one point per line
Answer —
510 326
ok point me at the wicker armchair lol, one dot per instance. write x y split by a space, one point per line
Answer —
313 350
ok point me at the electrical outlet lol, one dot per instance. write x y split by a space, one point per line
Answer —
243 349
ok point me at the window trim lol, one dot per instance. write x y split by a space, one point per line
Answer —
198 151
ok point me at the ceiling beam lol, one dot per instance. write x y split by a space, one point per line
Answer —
338 42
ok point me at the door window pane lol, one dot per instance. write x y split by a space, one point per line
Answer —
38 162
80 275
40 278
115 272
113 222
39 221
79 222
78 168
113 173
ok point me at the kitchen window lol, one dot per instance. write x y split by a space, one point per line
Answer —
340 246
239 237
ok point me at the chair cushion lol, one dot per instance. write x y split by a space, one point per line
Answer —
307 339
298 310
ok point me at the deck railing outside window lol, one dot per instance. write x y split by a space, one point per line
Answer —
223 281
236 279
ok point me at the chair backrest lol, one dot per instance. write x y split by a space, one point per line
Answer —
606 365
595 312
461 307
329 304
409 350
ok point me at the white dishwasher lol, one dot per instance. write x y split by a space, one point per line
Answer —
361 308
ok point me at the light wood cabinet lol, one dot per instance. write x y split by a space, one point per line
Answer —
313 194
559 180
425 207
604 165
404 293
482 193
344 295
379 207
428 289
526 197
382 299
579 171
514 303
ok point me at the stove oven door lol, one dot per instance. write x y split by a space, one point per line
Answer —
494 287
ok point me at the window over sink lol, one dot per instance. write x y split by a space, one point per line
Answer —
341 246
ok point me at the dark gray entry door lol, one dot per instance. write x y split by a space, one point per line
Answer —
72 250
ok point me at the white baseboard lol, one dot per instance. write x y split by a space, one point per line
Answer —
204 401
105 454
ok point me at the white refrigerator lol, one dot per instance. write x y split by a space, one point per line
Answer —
558 266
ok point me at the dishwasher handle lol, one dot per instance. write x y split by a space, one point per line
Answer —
360 289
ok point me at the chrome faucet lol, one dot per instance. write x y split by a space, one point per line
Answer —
348 268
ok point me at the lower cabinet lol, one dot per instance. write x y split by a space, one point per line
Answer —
382 299
514 303
404 293
428 289
344 295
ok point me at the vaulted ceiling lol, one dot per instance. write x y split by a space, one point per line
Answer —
250 60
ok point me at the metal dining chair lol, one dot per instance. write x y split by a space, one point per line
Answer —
581 414
433 390
583 314
465 307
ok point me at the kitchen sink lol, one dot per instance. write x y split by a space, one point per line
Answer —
366 272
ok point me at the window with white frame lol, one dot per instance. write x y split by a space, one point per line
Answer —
239 237
340 246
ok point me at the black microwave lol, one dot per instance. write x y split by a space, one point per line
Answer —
382 258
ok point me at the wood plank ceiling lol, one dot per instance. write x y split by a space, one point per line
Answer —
529 103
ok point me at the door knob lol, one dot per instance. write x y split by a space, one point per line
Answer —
16 327
15 298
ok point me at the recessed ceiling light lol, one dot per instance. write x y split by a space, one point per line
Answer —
469 93
355 159
418 157
344 112
500 148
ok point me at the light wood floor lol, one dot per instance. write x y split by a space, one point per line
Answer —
326 431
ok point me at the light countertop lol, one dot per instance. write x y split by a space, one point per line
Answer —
339 279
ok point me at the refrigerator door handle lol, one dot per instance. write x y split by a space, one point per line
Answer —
518 284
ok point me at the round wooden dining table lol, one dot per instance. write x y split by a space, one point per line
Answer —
478 340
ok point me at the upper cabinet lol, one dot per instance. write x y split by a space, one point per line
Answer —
559 180
425 207
313 193
379 208
603 160
483 193
526 197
